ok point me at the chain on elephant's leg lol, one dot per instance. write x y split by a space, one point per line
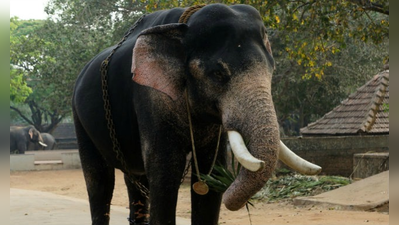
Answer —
138 203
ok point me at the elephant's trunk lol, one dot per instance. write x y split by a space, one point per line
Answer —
253 116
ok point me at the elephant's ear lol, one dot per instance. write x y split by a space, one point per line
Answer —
269 49
31 133
158 59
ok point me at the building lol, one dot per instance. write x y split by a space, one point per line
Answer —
365 112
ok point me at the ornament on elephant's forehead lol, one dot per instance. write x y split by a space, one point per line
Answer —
200 187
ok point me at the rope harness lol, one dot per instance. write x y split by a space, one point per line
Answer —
200 187
107 106
189 12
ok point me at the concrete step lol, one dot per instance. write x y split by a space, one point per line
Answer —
48 162
48 155
366 194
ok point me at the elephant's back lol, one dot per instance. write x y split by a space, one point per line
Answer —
87 100
119 68
88 86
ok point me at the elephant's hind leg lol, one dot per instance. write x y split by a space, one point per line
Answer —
100 178
138 203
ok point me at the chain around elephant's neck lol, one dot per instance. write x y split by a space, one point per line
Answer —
108 116
200 187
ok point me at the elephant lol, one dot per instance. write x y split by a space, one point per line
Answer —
48 139
20 137
180 79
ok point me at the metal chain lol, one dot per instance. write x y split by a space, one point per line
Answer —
185 172
108 115
107 106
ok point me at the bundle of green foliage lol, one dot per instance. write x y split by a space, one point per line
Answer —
295 185
288 185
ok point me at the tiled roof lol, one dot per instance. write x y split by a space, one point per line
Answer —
363 112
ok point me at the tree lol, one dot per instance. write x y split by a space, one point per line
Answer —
48 55
300 100
79 30
19 89
29 62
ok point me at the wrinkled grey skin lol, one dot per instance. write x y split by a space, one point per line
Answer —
221 64
48 139
21 136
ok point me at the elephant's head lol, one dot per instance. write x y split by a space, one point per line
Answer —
223 59
35 136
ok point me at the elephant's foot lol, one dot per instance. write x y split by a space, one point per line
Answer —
133 222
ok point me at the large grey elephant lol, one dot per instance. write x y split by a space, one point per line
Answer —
20 137
178 77
48 139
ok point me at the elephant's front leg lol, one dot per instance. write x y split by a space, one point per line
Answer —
205 208
165 167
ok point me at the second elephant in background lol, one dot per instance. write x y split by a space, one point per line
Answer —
48 139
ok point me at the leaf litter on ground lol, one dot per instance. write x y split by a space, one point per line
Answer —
292 185
285 185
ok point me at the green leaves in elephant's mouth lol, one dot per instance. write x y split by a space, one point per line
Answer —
221 178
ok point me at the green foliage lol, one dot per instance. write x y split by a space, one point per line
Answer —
25 27
291 186
385 107
221 178
29 62
301 101
19 89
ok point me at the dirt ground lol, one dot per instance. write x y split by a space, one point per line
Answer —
71 183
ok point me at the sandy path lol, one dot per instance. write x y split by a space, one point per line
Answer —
71 183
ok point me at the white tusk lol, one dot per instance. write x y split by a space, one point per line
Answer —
292 160
242 154
287 156
42 144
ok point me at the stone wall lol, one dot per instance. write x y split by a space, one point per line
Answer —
335 154
369 164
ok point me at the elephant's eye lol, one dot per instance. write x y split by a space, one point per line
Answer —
221 73
220 77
